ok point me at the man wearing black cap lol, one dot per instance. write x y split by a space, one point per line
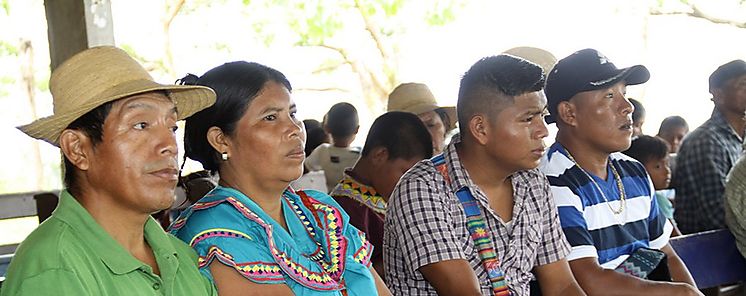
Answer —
605 199
709 152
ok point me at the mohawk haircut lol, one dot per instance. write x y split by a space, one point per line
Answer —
494 81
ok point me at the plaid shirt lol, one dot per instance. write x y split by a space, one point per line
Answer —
704 159
425 223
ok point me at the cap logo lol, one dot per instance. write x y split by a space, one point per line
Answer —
602 59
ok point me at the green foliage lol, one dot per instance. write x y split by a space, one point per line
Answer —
442 12
391 8
42 84
6 49
314 22
6 6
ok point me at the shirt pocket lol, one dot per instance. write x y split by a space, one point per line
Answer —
527 243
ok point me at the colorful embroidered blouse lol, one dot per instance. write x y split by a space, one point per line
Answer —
366 208
321 255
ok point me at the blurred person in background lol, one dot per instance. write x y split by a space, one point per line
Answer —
708 153
416 98
342 124
673 129
396 141
638 117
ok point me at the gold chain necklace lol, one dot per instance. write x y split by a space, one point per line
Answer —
617 178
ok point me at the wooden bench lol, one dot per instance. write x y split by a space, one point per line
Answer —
20 205
711 257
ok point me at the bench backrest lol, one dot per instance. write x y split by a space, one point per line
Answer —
711 257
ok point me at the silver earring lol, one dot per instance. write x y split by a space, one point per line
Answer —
224 155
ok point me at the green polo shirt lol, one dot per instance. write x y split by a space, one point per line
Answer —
70 254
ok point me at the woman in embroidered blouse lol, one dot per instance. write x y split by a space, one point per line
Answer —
253 234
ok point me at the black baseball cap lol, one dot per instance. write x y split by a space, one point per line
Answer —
725 72
586 70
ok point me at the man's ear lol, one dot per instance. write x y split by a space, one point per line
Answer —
479 128
379 155
77 147
218 140
717 95
567 113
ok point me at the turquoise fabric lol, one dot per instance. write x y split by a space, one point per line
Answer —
664 203
321 254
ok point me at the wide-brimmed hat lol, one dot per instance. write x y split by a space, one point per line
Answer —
417 98
586 70
545 59
100 75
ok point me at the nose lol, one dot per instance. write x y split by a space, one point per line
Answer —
541 130
626 106
167 142
296 129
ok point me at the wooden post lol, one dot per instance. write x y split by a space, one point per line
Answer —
75 25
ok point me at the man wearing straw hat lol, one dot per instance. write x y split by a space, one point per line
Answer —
417 98
116 129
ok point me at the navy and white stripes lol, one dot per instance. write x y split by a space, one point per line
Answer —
591 227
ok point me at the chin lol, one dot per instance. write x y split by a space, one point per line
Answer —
164 200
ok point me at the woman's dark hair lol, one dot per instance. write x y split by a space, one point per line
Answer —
236 84
647 148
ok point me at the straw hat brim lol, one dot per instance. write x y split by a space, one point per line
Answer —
189 99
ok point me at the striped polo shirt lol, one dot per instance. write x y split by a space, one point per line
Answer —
590 225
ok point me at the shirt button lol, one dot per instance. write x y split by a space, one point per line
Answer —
156 286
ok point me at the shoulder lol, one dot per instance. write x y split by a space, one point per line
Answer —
554 163
703 137
423 171
419 189
627 163
216 213
47 248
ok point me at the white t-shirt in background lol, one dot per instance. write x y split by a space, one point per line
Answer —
333 161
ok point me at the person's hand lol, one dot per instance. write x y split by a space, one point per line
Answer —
686 290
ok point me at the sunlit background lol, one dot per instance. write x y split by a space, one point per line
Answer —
358 51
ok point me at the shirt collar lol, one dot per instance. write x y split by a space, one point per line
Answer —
459 177
354 189
718 119
114 256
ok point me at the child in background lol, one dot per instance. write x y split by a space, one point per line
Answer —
652 152
638 117
342 123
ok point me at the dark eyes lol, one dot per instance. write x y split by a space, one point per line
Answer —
270 117
144 125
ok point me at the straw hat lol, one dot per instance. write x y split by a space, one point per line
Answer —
100 75
543 58
417 98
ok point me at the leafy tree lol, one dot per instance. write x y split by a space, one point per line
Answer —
360 35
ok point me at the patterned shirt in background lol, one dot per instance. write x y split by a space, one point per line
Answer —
425 224
589 223
735 203
704 159
366 209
